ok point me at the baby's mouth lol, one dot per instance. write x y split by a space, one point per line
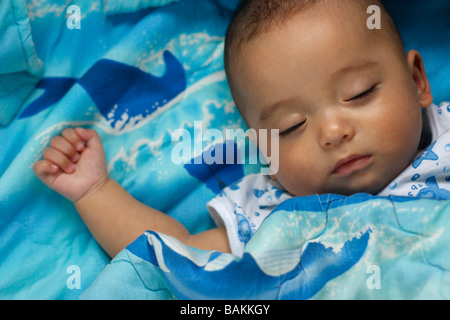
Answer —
351 164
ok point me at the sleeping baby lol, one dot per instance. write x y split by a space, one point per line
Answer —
354 112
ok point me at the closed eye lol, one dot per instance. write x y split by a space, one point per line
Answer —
364 94
292 129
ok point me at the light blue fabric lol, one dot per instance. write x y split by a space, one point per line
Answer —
126 6
143 281
20 68
327 247
136 78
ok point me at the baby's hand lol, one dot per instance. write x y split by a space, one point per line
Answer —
74 165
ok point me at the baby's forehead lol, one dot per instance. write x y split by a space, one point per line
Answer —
350 16
347 17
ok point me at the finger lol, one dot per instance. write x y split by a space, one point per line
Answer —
60 159
90 136
44 167
70 135
67 148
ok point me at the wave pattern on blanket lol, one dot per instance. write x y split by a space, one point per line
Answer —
316 247
119 91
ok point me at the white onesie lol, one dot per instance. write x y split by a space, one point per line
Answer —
242 206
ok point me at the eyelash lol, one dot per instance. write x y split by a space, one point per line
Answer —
364 94
292 129
355 98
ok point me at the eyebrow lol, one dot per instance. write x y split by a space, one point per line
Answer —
268 111
357 67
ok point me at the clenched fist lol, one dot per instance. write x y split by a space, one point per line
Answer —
74 165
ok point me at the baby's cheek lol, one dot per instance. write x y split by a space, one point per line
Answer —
297 178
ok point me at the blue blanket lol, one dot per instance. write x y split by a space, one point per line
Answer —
318 247
136 71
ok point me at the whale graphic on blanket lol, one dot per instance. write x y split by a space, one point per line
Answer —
318 265
116 88
217 176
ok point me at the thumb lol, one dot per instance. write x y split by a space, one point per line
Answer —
90 137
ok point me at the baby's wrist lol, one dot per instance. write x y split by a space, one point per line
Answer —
94 189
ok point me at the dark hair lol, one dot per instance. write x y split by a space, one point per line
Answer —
426 137
254 17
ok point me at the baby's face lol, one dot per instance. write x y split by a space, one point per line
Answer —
347 103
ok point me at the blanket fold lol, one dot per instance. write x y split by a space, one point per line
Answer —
21 68
317 247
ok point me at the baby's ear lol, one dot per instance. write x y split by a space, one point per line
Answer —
417 68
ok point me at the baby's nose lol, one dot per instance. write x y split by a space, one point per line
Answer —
335 132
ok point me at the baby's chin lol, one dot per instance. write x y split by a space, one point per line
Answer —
372 189
370 183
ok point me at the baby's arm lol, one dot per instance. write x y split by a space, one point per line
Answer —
74 165
116 219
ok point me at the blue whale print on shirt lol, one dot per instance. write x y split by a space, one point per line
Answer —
428 154
114 86
433 191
